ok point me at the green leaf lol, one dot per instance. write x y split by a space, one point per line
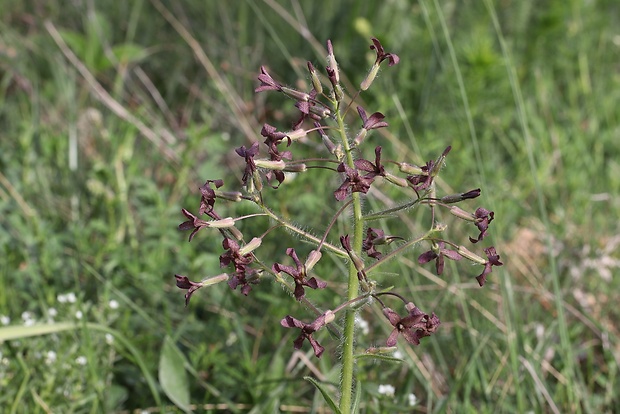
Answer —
380 357
172 374
328 399
129 52
358 397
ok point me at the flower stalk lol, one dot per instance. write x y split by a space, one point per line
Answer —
363 248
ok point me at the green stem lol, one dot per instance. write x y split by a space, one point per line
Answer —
348 339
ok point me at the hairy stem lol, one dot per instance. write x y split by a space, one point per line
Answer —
348 339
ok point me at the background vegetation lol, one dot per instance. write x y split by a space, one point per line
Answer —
113 113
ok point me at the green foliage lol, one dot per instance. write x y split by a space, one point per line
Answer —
104 228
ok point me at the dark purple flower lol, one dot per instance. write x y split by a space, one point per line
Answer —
248 154
368 244
193 223
299 275
353 182
243 277
184 283
437 253
207 199
424 180
307 330
234 256
267 83
273 138
375 237
483 219
312 109
371 169
381 55
375 120
488 266
414 326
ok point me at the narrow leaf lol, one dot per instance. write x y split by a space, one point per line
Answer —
328 399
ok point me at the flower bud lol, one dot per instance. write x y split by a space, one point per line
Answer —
316 82
222 224
370 77
360 136
215 279
295 94
295 168
270 165
409 169
234 196
236 233
455 198
313 258
296 134
460 213
329 316
469 255
399 181
251 246
331 61
439 163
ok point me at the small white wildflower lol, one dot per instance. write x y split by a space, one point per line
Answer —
398 354
50 357
52 312
61 298
387 389
79 314
362 324
81 360
26 316
5 320
413 400
113 304
71 298
109 339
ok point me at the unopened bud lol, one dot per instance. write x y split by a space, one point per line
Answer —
338 92
295 94
409 169
329 317
236 233
222 224
295 168
460 213
251 246
439 163
296 134
313 258
370 77
320 111
360 136
229 195
331 61
270 165
399 181
316 82
469 255
256 184
215 279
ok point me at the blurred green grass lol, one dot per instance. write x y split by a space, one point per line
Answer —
90 195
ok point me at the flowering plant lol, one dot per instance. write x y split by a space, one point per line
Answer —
364 249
